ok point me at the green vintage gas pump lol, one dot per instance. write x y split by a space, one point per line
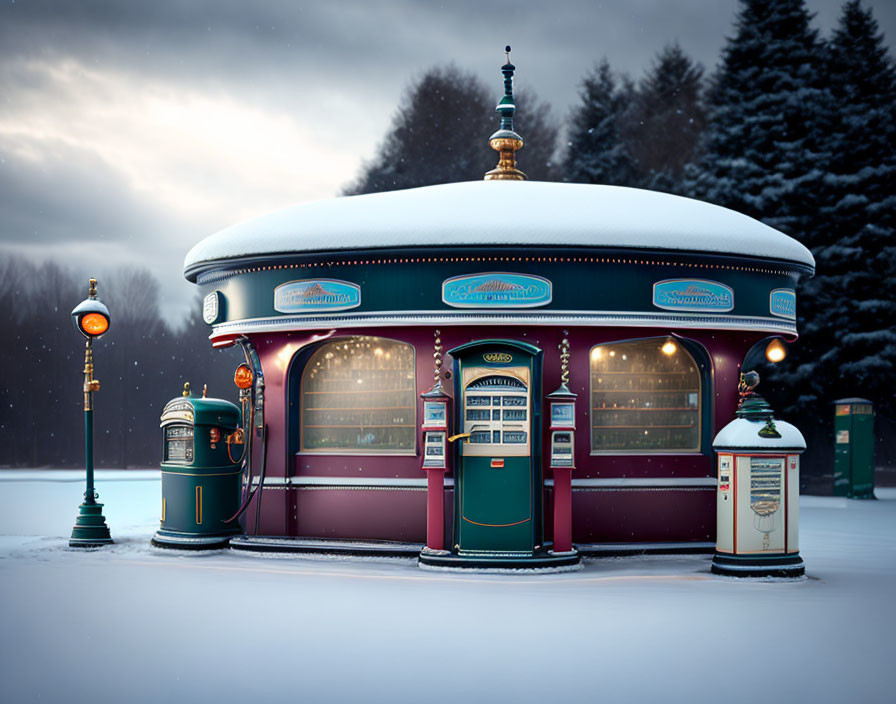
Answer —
202 443
854 448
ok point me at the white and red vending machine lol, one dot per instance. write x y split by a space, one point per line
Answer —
757 501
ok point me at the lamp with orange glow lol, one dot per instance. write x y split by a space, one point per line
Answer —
775 351
91 317
769 350
243 376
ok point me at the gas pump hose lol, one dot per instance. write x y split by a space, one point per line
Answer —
229 442
253 492
248 416
264 465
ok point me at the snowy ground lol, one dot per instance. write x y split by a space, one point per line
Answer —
131 623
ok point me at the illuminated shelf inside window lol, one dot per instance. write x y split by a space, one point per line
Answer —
359 396
645 397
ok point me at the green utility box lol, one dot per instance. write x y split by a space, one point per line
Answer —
201 470
854 448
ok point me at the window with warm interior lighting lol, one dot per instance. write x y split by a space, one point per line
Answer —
359 396
645 397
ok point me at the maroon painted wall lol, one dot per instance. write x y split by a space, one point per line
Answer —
599 514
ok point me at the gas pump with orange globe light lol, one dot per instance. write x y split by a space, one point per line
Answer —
203 453
91 319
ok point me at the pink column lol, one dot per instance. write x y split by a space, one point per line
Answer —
435 508
562 509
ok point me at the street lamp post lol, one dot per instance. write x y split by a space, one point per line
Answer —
91 318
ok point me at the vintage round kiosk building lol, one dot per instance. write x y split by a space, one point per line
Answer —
509 373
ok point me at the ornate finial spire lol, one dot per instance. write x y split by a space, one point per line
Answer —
437 360
436 392
564 361
505 141
91 291
187 393
563 393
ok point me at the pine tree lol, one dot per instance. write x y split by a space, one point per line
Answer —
596 152
765 156
440 135
764 151
664 126
856 280
534 121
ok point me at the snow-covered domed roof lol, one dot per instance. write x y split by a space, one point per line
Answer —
742 433
495 213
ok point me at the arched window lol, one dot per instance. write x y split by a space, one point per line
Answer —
359 395
645 397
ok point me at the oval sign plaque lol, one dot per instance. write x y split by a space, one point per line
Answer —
496 290
497 357
695 295
310 295
782 302
211 308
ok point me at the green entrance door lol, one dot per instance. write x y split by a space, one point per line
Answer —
498 505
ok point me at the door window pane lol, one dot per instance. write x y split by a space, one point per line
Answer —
514 400
480 437
497 423
645 397
359 395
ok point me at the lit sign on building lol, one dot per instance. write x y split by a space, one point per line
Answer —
496 290
693 295
312 295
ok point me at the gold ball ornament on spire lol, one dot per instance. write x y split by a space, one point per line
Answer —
505 141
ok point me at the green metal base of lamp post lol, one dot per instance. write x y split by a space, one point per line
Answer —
90 529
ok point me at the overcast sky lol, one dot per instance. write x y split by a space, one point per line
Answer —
131 130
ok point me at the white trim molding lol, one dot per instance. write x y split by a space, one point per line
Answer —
696 321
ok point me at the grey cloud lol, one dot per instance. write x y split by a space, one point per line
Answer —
74 208
294 58
279 49
68 194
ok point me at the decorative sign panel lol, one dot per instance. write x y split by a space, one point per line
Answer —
694 295
562 414
434 414
311 295
497 358
211 308
496 290
725 473
765 485
782 302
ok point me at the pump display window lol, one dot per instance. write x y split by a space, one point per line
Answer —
359 396
645 397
